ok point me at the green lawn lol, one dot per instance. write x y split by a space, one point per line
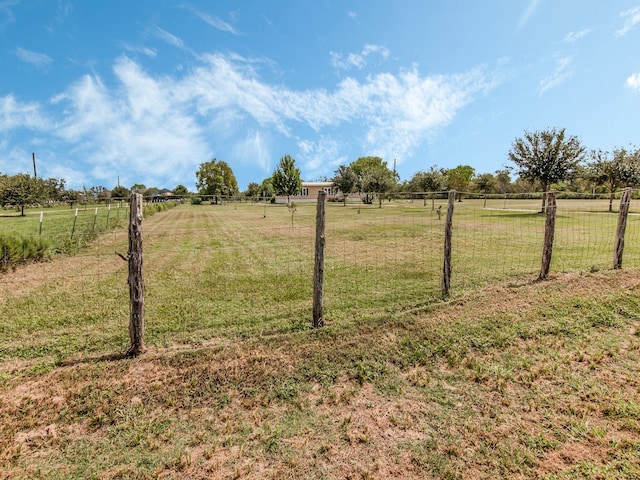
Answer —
510 378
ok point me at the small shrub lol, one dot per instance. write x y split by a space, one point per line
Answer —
16 251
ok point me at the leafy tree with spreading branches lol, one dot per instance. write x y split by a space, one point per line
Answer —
346 181
216 178
618 169
547 156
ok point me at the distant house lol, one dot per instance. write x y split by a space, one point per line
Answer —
309 192
163 196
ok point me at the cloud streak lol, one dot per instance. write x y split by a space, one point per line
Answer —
632 18
359 60
527 14
573 37
36 59
561 74
217 23
169 38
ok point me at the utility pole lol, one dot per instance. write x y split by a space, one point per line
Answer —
33 156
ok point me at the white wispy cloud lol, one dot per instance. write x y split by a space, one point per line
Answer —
321 156
527 14
352 14
157 129
561 74
359 60
572 37
217 23
16 114
39 60
138 129
254 149
631 19
169 38
149 52
634 81
6 14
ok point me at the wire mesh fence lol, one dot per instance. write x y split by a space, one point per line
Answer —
213 271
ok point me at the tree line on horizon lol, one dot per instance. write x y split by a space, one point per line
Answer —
543 160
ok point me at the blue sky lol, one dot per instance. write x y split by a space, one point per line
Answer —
146 90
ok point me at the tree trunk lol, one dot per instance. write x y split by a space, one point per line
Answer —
545 187
611 201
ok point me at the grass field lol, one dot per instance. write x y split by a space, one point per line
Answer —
59 220
508 379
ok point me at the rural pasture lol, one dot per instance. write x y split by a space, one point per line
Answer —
509 378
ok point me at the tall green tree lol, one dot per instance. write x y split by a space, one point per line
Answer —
379 181
253 190
374 177
286 178
266 188
547 156
485 183
459 179
216 178
120 192
345 180
620 168
140 188
181 191
503 180
21 190
432 180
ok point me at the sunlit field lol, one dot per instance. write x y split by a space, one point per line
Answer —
506 378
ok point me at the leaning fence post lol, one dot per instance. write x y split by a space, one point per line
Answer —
625 202
318 269
549 232
448 232
136 284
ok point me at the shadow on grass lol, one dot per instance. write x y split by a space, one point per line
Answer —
114 357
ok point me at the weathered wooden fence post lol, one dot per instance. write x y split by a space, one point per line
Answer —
136 283
625 203
448 233
318 269
549 232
